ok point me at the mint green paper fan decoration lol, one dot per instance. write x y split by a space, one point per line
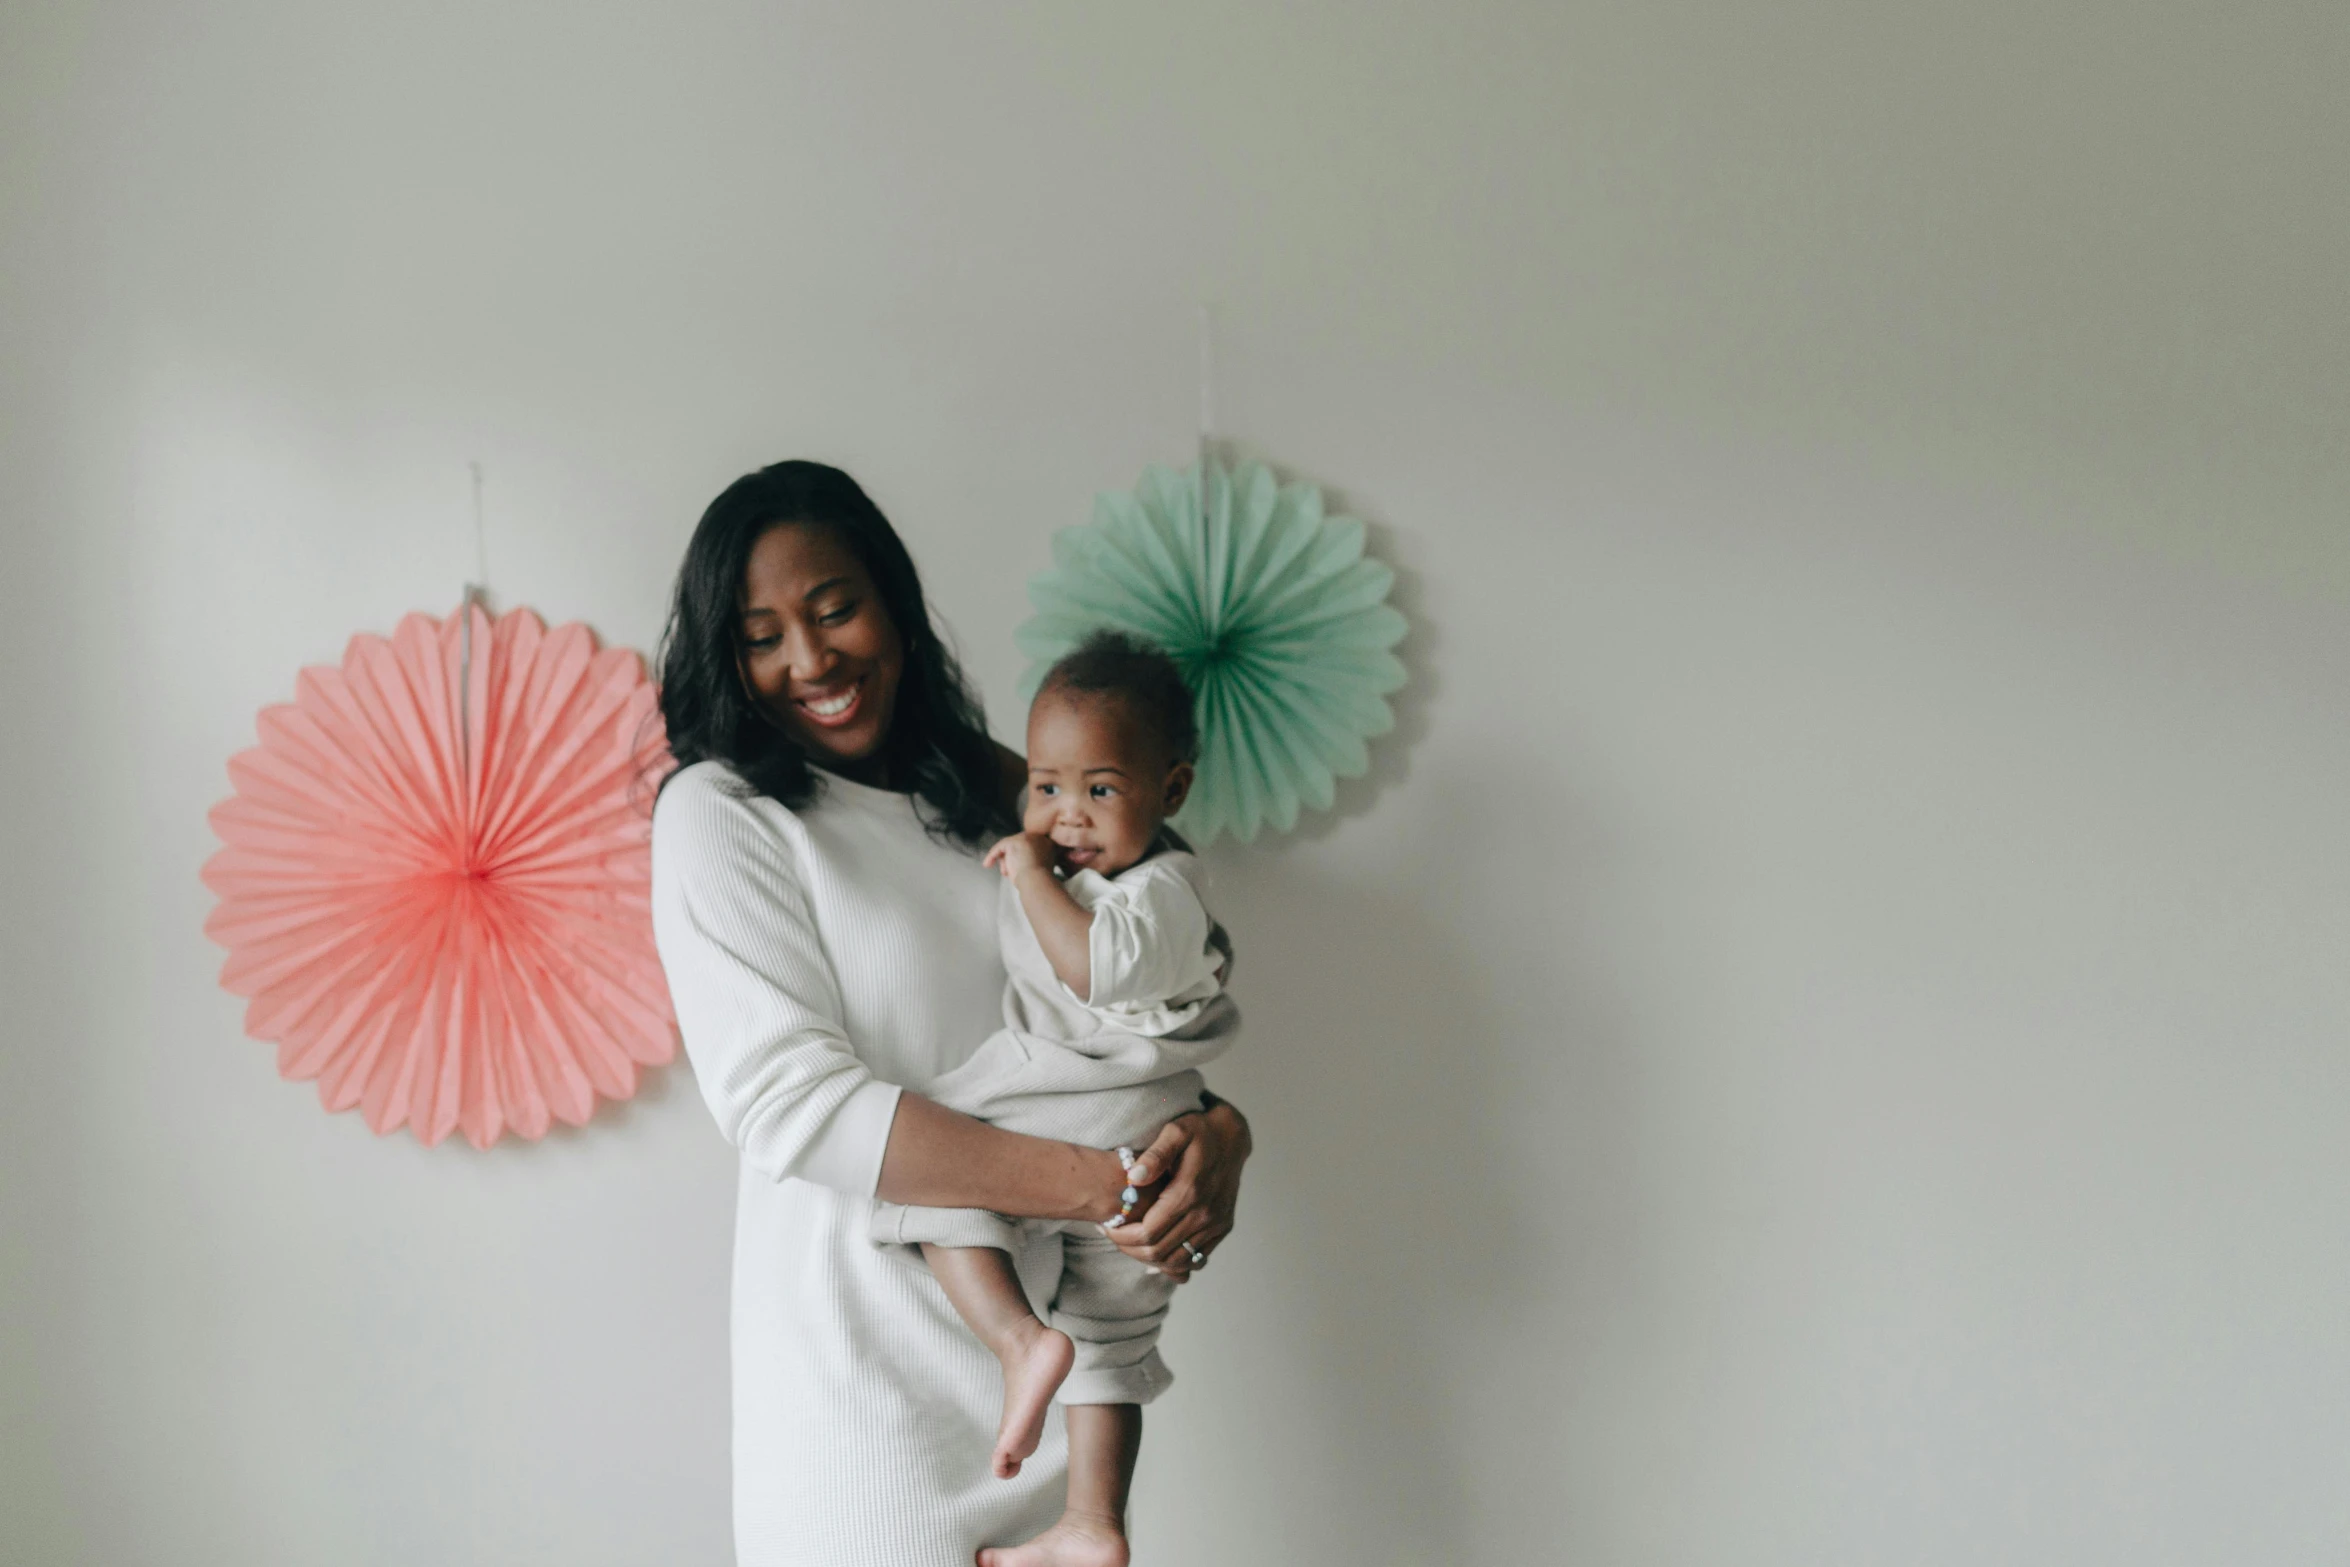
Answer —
1282 629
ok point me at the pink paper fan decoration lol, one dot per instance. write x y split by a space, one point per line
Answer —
437 898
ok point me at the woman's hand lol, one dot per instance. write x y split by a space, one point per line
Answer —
1198 1156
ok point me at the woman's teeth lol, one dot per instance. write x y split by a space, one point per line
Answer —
832 706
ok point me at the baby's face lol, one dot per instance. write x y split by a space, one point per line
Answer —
1099 783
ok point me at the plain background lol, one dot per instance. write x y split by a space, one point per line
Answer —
1822 1039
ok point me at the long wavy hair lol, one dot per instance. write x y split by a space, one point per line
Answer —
937 748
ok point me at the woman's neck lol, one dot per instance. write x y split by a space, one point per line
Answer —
872 771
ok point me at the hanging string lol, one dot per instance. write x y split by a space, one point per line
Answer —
1207 455
1207 388
476 592
481 537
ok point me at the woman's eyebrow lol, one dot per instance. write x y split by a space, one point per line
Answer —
826 586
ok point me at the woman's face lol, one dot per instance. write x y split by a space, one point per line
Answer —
818 649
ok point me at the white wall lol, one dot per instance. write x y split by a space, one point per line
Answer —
1823 1042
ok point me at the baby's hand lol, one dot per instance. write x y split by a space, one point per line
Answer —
1023 851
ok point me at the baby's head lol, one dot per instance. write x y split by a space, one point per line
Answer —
1111 741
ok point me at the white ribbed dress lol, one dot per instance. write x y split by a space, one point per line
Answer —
819 960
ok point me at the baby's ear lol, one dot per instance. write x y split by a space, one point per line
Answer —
1178 786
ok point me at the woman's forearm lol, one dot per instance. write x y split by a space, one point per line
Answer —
941 1158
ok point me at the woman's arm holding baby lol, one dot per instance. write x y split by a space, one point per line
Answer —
941 1158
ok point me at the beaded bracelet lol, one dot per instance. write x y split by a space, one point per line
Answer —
1130 1196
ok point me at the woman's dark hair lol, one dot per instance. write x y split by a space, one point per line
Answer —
1130 670
937 747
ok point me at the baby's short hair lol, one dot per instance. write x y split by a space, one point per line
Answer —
1114 664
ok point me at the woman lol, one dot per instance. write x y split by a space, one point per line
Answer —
829 937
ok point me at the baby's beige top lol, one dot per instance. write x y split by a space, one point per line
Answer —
1152 962
1116 1066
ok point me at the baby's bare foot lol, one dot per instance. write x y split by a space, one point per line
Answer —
1078 1540
1036 1362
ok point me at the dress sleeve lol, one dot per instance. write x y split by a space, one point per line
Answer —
757 1002
1149 939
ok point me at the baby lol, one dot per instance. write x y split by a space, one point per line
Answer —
1116 998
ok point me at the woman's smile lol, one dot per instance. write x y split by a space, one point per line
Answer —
835 707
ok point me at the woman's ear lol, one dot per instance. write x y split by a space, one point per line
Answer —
1179 779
